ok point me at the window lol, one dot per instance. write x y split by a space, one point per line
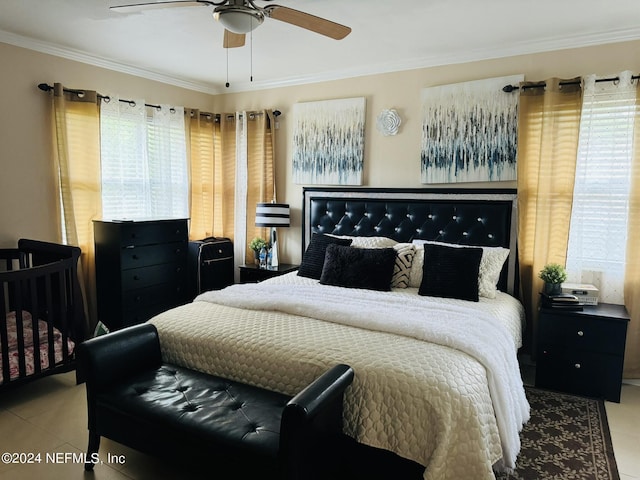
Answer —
143 161
598 230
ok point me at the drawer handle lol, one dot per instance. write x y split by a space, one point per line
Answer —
580 333
136 277
135 257
137 299
577 365
178 269
178 250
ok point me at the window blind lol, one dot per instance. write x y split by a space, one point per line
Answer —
598 228
143 161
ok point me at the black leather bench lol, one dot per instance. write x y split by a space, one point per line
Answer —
135 399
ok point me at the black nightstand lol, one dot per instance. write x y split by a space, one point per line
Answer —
254 274
582 352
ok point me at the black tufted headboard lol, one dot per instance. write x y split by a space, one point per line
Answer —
464 216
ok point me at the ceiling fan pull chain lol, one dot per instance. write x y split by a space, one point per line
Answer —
227 84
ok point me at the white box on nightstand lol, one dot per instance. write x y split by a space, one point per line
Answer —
587 294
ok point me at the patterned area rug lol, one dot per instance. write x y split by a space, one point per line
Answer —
567 438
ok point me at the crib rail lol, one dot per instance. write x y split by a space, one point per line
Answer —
39 290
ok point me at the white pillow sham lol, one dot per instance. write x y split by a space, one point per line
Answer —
368 242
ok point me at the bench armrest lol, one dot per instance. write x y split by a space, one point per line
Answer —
321 392
110 358
310 418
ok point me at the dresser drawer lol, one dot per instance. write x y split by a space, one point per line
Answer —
154 275
143 256
141 269
142 233
173 293
583 333
142 314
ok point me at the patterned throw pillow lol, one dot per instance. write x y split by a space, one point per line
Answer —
402 268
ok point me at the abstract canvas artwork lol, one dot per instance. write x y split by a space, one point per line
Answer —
469 131
328 142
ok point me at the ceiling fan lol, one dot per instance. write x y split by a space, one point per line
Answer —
240 17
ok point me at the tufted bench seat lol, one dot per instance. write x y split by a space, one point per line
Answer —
135 399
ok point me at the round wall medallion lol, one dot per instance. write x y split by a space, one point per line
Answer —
388 122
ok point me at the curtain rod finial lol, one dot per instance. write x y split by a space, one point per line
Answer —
509 88
44 87
277 113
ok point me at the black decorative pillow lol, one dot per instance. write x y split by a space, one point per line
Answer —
313 258
450 272
370 268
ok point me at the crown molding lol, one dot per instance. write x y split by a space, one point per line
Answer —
440 59
447 58
96 61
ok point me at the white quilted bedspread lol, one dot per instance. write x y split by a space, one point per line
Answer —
453 408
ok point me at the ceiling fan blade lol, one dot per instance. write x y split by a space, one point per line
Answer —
307 21
233 40
138 7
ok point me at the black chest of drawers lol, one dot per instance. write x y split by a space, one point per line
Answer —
582 352
141 269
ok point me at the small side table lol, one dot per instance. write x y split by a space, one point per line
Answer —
254 274
582 352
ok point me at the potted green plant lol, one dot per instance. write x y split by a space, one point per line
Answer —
256 245
553 274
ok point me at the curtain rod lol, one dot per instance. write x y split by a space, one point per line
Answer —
511 88
47 88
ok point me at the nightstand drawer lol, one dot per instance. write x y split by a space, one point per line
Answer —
584 333
153 254
582 351
253 274
580 372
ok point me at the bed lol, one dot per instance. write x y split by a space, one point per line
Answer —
42 314
437 382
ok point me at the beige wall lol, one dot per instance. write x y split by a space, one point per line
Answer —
26 189
26 172
395 161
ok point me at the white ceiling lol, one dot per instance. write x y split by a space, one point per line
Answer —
183 46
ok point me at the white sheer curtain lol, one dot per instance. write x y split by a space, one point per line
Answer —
143 160
241 191
598 231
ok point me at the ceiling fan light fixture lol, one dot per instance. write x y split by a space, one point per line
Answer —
238 19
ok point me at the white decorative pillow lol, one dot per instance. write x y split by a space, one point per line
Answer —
402 268
493 259
415 275
369 242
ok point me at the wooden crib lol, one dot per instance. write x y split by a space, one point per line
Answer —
41 311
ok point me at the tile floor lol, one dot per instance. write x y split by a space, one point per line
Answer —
49 417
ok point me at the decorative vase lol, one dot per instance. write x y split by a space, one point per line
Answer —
256 257
552 288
